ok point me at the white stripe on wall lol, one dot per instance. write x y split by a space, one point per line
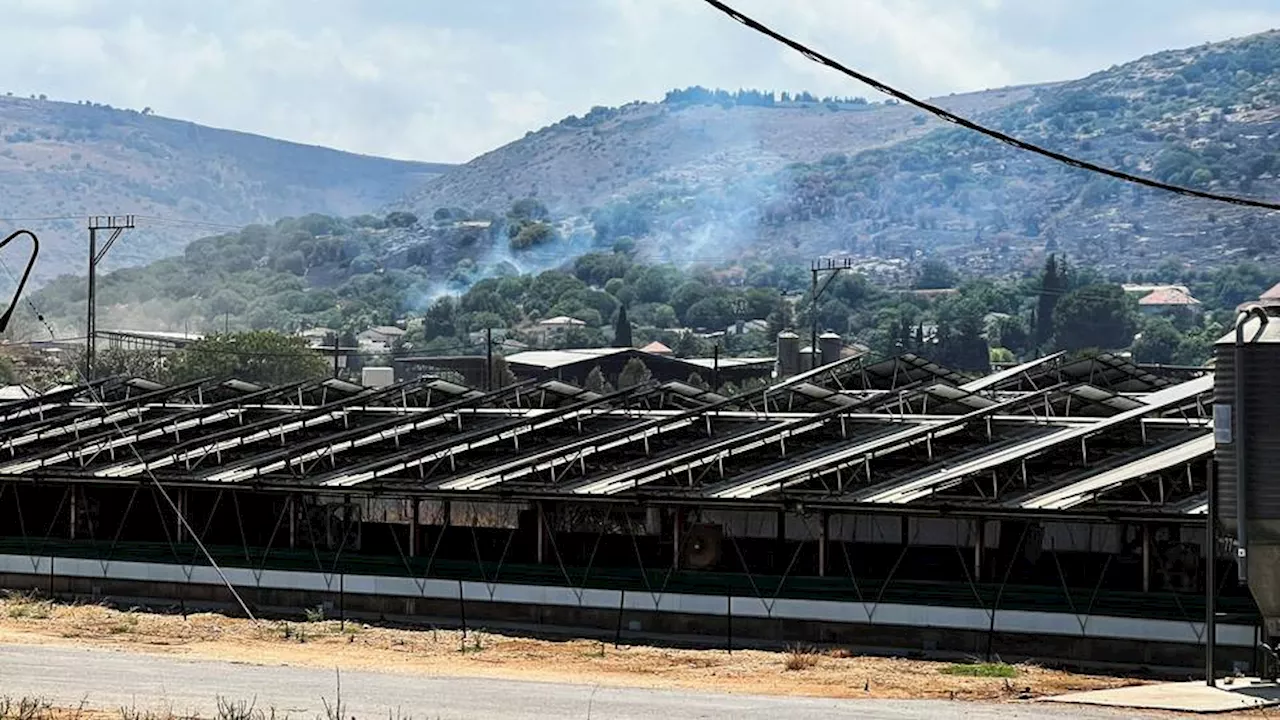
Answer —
928 616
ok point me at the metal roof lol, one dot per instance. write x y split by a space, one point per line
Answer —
1081 491
859 433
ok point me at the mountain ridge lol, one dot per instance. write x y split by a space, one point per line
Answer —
67 161
737 179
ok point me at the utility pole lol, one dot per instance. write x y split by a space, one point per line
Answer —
336 338
816 268
715 368
116 224
488 358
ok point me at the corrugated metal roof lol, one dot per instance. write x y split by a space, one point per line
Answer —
919 487
1080 492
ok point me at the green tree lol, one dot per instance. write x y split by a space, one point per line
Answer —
528 208
259 356
595 382
531 234
9 371
440 319
714 313
1053 284
936 274
635 372
127 362
622 329
401 219
1157 343
1094 316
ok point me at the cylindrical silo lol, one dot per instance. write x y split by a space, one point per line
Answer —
807 358
829 347
1246 400
788 353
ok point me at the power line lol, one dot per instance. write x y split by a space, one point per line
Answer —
971 125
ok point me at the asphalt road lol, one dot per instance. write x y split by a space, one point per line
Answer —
111 680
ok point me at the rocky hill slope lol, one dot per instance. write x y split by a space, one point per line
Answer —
693 137
67 161
705 175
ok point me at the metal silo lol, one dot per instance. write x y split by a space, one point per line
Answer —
788 353
829 347
1247 431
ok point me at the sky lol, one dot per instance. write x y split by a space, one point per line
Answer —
444 81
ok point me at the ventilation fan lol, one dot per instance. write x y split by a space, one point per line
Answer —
702 546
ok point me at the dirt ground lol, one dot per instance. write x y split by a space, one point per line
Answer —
324 643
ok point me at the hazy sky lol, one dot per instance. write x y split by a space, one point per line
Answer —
446 80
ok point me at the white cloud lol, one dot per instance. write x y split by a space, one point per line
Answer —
447 81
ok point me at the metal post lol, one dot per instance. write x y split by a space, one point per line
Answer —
335 354
182 510
728 621
813 319
413 528
293 523
542 531
462 610
90 323
979 545
488 358
1210 581
617 632
1146 557
823 535
73 513
675 537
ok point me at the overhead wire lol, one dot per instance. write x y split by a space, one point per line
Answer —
955 119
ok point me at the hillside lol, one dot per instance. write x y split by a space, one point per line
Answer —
68 160
613 152
709 176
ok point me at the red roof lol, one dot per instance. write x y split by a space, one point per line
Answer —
1168 296
656 348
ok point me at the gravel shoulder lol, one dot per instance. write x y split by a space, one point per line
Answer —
329 645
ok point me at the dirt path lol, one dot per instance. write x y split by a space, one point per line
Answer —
446 653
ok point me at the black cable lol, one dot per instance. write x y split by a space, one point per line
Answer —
971 125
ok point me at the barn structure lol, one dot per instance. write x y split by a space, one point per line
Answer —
1054 510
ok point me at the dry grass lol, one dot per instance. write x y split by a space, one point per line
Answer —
802 670
800 657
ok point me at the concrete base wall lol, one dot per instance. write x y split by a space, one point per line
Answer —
629 625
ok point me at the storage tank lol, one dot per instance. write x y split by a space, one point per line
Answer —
829 347
788 353
807 358
1246 398
377 377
